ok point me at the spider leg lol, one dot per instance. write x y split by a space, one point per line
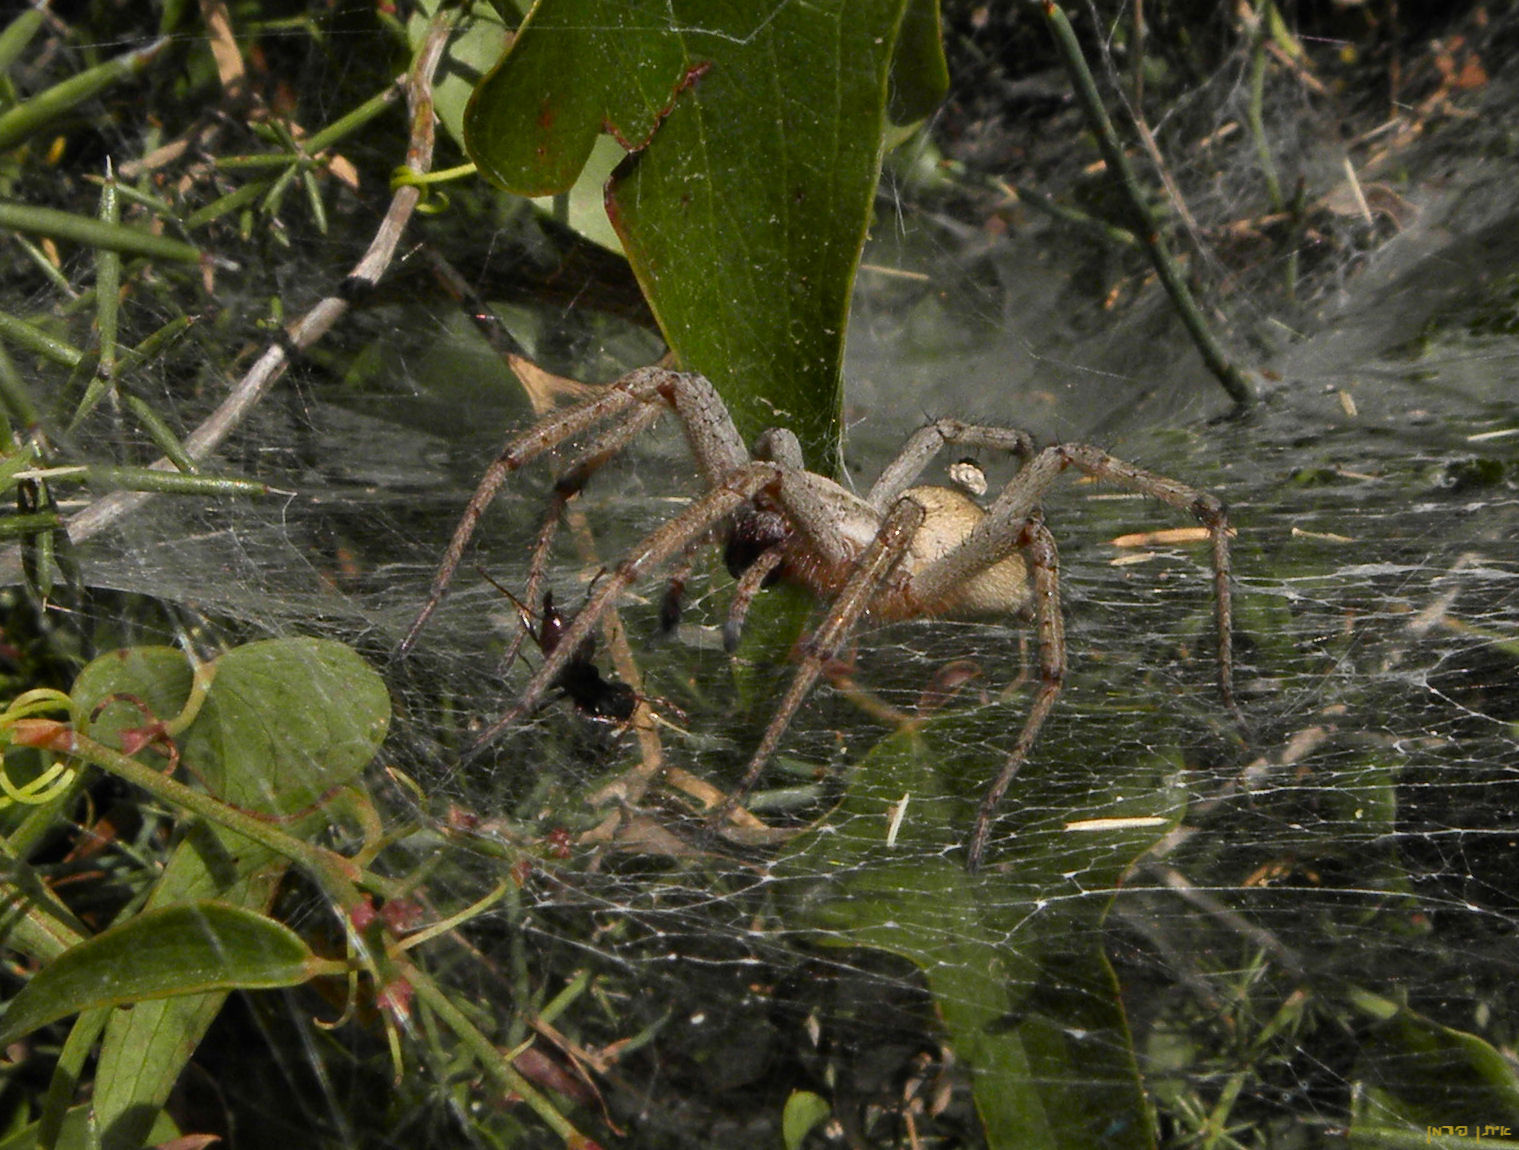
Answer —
749 585
993 537
536 571
569 485
644 386
1044 567
874 567
655 549
1209 511
925 443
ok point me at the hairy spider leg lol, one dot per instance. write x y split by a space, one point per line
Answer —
1049 625
780 445
714 441
569 484
536 574
874 567
993 537
749 585
656 548
1013 521
925 443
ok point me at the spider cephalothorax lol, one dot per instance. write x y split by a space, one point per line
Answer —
900 551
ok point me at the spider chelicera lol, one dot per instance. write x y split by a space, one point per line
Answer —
900 552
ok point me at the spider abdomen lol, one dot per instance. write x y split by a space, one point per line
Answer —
949 518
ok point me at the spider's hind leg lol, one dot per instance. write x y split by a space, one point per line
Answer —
1049 625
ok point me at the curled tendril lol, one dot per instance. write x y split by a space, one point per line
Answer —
432 202
57 777
44 788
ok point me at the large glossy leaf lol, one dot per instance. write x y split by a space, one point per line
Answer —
188 948
756 130
1008 953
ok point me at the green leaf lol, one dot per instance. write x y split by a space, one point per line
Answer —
756 131
80 1132
285 722
1008 953
919 72
189 948
804 1110
128 689
1416 1073
145 1050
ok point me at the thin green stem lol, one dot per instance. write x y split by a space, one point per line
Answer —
562 1001
150 479
17 35
17 526
1228 375
14 396
314 199
46 107
226 205
1040 202
458 919
46 266
161 433
1255 117
154 345
260 161
354 120
108 279
336 875
495 1064
159 206
29 337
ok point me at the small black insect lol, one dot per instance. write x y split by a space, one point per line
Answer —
608 700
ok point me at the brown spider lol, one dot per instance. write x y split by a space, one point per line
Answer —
898 553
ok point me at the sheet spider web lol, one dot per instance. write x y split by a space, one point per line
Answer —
1188 933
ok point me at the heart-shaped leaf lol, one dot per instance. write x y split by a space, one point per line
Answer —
284 722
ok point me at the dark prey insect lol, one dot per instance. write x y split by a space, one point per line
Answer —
901 551
579 678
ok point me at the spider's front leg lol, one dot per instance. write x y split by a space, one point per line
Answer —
656 548
873 568
714 441
643 388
